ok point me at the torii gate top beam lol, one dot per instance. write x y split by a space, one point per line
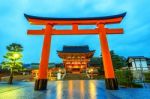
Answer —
75 22
80 21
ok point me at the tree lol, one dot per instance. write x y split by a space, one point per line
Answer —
12 59
96 61
118 61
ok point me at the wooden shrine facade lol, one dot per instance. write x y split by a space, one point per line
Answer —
75 58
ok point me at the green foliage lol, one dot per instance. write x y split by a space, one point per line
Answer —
14 47
12 59
15 66
96 61
125 78
135 85
147 77
118 61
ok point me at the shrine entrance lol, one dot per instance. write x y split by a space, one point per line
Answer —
76 70
101 30
76 58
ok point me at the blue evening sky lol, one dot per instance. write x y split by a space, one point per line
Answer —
134 42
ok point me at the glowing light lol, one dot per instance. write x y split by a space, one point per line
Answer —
59 89
91 70
16 55
82 89
70 89
59 70
92 89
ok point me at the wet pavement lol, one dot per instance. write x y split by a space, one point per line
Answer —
72 89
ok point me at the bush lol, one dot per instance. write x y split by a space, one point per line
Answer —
135 85
147 77
125 78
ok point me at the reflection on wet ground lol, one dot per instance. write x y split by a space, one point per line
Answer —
72 89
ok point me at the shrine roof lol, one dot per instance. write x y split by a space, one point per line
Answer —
76 49
82 18
137 57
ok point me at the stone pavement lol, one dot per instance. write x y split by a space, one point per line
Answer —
72 89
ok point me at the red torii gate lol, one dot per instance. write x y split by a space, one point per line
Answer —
110 80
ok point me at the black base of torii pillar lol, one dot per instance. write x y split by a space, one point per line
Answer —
111 83
40 84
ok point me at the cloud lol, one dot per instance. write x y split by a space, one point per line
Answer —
14 26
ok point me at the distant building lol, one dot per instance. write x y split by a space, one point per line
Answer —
75 58
36 65
137 63
27 66
148 63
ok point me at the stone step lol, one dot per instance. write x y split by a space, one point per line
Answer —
76 77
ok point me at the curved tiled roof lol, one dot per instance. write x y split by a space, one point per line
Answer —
76 49
82 18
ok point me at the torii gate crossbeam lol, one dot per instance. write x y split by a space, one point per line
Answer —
48 31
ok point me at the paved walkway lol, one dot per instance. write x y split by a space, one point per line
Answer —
76 89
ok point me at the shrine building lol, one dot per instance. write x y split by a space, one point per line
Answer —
76 58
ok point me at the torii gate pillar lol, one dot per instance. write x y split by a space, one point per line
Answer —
110 80
41 82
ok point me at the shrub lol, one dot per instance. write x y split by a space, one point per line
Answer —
125 78
147 77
